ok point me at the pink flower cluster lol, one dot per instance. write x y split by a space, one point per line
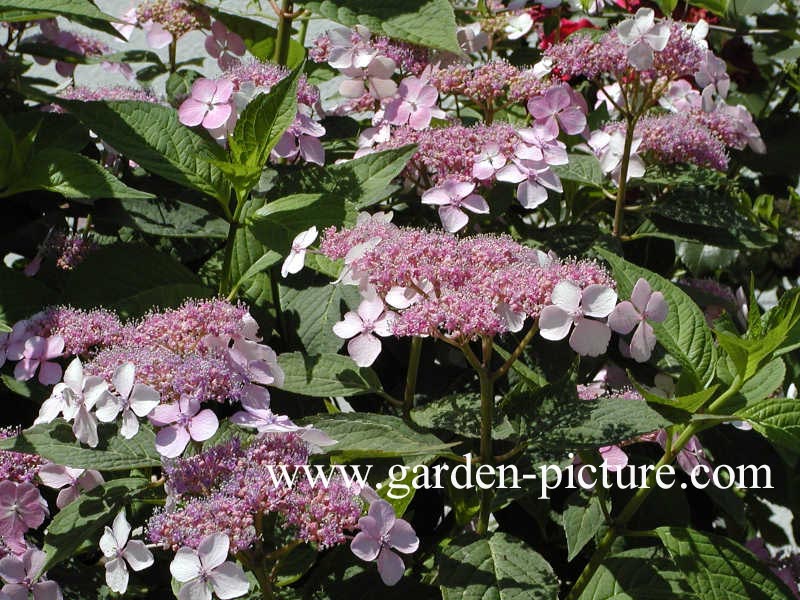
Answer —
495 84
75 43
436 284
166 21
224 489
87 94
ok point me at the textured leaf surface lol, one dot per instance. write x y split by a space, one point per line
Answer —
582 519
718 568
326 375
777 419
499 567
56 442
371 435
151 135
429 23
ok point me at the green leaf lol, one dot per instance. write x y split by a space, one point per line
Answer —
311 307
326 375
459 413
277 223
719 7
151 135
179 85
556 421
293 566
249 258
259 38
82 521
684 333
171 295
73 176
128 271
718 567
362 181
83 11
263 122
20 296
708 216
678 406
743 8
582 168
637 574
499 566
56 442
582 519
369 435
165 218
760 387
428 23
777 419
667 6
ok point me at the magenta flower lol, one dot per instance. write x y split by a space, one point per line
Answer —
38 354
21 508
12 345
561 104
643 36
415 104
359 325
534 179
181 422
374 79
258 361
691 455
205 569
453 198
134 400
224 45
208 104
23 577
70 481
381 531
645 305
540 143
713 79
302 139
118 551
572 305
297 256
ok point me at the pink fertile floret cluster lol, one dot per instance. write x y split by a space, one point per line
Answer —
226 488
458 287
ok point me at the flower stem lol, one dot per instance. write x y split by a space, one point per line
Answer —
284 34
173 51
623 177
411 376
487 418
517 352
633 505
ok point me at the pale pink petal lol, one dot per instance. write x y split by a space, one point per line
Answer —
614 458
384 516
203 425
436 196
108 543
121 528
12 570
530 194
229 581
158 37
623 318
351 88
57 476
293 263
137 555
235 44
123 379
192 112
68 495
107 408
475 203
364 349
590 338
53 347
657 308
390 567
642 342
117 575
640 294
554 323
512 173
572 120
213 550
598 300
349 327
566 295
370 525
143 399
403 538
365 547
217 116
658 36
171 441
453 218
311 150
640 55
186 565
197 589
223 91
